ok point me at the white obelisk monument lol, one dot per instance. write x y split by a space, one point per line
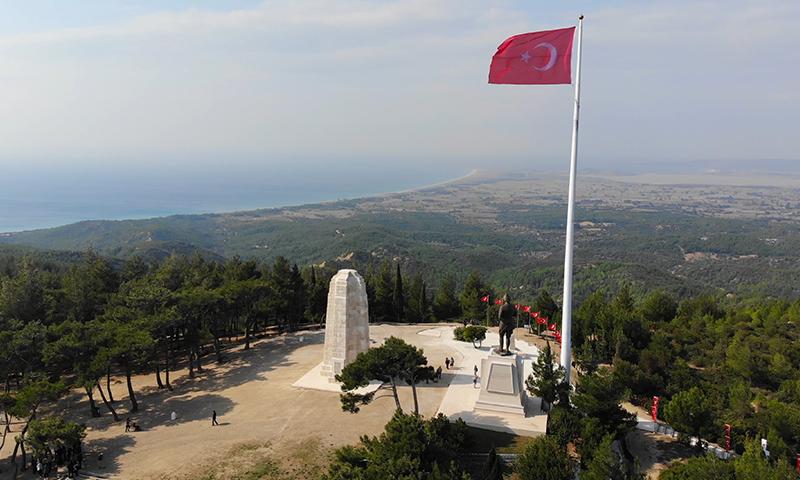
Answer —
346 322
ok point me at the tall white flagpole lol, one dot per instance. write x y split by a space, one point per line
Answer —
566 311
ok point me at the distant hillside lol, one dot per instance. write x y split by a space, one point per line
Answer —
512 231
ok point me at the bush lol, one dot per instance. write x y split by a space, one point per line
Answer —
471 333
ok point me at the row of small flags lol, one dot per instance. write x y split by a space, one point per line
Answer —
537 316
654 413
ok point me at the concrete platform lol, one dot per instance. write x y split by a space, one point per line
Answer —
315 380
461 396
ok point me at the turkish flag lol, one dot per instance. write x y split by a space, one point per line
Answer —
654 409
485 299
537 58
526 308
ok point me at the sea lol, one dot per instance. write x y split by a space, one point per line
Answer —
43 197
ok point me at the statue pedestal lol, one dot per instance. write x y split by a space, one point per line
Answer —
501 384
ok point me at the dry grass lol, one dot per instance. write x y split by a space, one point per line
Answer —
307 459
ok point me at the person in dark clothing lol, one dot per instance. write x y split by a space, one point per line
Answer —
128 424
447 363
214 418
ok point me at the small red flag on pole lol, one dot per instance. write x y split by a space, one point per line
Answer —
499 301
654 408
526 308
727 437
485 299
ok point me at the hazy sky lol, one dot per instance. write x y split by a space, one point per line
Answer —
126 83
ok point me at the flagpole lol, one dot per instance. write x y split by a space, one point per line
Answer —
566 311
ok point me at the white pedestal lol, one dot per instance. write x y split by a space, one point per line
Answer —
501 384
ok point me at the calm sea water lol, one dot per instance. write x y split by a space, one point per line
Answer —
41 198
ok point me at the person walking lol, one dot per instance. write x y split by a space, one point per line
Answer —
438 373
447 363
128 424
214 418
475 370
475 381
452 362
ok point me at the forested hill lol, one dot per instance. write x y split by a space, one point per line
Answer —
683 238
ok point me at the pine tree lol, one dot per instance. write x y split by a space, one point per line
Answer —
317 293
297 307
544 304
445 303
472 307
383 306
546 377
371 279
605 463
493 468
281 282
398 298
424 306
418 310
544 459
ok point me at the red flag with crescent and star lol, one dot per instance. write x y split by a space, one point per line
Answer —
536 58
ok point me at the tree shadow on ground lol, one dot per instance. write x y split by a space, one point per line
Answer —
111 449
188 408
242 366
652 449
484 440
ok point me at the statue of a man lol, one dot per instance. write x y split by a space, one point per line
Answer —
507 316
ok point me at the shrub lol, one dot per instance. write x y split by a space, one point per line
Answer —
471 333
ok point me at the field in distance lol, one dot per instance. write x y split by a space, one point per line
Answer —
729 233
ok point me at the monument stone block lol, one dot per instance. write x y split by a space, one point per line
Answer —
501 384
346 322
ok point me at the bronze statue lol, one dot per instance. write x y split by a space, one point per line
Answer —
507 316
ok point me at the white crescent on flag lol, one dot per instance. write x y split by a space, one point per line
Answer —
553 55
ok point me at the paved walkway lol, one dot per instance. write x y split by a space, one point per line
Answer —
646 424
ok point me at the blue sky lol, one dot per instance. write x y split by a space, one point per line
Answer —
145 83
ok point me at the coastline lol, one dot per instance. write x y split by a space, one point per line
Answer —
278 206
473 173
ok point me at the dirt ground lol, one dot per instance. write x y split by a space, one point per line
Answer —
259 411
655 451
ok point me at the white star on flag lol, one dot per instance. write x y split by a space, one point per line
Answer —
526 56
